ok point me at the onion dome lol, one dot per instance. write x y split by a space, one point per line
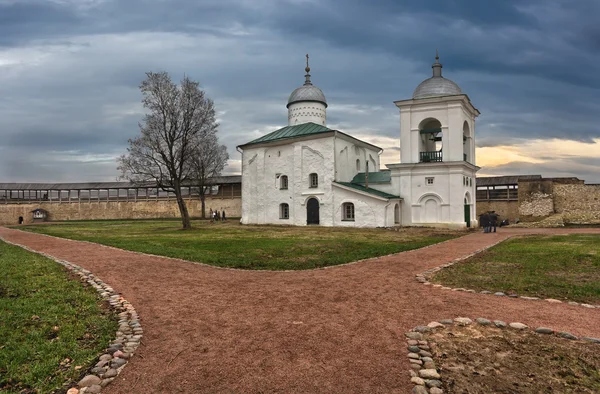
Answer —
436 86
307 92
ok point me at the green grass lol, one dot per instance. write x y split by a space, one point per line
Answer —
565 267
230 244
45 318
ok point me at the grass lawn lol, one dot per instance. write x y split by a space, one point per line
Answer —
49 324
230 244
564 267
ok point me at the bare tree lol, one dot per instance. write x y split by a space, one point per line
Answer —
179 118
209 160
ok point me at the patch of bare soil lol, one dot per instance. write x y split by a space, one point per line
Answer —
476 359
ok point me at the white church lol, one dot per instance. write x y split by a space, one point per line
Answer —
309 174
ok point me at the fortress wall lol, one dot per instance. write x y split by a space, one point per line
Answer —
9 213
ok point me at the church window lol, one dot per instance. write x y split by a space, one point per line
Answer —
429 180
313 180
284 211
470 181
357 164
283 182
348 211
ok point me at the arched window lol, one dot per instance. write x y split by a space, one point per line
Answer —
430 145
348 211
357 164
467 141
284 211
397 214
283 182
313 180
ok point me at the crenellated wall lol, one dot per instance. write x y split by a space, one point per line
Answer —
9 213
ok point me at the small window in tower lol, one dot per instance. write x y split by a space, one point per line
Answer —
357 164
283 182
429 180
348 211
313 180
284 211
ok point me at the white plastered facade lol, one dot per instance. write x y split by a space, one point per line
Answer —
333 158
437 189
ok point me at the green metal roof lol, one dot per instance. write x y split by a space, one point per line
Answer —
291 132
375 177
370 190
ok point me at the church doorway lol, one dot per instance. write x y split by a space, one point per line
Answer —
312 211
467 213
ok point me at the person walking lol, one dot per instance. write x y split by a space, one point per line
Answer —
484 221
223 215
493 220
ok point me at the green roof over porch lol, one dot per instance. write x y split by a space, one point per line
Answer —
374 177
369 190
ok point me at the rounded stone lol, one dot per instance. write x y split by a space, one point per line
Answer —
518 326
429 374
446 321
73 390
593 340
420 390
433 383
553 300
544 330
117 362
567 335
499 294
463 321
436 390
413 355
417 380
435 324
414 335
413 349
483 322
106 382
89 380
105 357
93 389
499 323
111 373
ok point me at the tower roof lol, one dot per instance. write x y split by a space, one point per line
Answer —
308 91
437 85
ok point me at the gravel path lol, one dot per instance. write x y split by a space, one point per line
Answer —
334 330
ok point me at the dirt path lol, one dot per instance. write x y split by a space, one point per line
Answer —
333 330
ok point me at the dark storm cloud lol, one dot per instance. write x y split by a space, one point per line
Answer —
69 69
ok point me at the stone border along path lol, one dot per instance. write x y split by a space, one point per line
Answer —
424 374
425 276
325 330
128 337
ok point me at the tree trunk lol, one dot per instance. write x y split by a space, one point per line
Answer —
185 216
202 198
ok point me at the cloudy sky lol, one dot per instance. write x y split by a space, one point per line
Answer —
70 72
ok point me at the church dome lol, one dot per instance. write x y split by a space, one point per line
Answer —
436 86
307 92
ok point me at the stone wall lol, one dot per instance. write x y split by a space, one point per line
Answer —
505 209
9 213
536 200
578 204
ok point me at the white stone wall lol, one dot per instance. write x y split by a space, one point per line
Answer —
441 203
368 211
262 169
304 112
347 152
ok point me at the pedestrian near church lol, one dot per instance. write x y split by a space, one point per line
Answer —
223 215
484 221
493 220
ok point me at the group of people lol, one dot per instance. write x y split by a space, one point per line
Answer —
489 221
217 216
